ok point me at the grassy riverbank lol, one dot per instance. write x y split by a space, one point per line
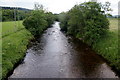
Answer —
13 47
108 45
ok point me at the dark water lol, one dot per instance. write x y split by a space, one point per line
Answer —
58 56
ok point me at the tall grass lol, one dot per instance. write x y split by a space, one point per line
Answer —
108 45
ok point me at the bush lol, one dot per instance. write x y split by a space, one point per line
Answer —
87 21
38 21
50 18
63 19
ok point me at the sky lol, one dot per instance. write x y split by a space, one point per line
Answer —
55 6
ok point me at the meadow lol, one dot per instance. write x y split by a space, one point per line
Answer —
108 45
11 27
113 24
13 46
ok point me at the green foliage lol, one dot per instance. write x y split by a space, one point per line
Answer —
13 49
56 17
38 21
63 19
87 21
8 14
50 18
108 48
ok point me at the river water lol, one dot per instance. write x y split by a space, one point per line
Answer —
59 56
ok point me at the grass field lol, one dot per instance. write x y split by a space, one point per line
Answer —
13 46
108 45
113 24
11 27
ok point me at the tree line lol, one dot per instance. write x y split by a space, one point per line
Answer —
14 14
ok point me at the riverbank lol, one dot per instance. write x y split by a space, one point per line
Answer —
108 48
13 50
14 46
15 39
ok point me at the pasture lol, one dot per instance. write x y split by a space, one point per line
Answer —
113 24
11 27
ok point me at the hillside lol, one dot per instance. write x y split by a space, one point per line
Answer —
24 9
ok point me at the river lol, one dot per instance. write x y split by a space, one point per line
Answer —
60 56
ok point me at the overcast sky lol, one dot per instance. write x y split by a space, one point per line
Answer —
55 6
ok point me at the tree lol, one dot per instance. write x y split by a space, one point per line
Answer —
36 22
87 21
8 14
63 17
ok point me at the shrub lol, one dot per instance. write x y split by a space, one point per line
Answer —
50 18
36 22
87 21
63 17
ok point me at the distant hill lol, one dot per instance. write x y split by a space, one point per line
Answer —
114 16
117 16
23 9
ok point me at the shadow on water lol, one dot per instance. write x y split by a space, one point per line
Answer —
58 56
89 62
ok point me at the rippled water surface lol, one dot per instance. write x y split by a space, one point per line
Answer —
58 56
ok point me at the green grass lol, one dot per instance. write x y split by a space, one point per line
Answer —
0 51
108 45
11 27
13 47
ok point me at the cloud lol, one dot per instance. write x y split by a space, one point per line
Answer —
55 6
